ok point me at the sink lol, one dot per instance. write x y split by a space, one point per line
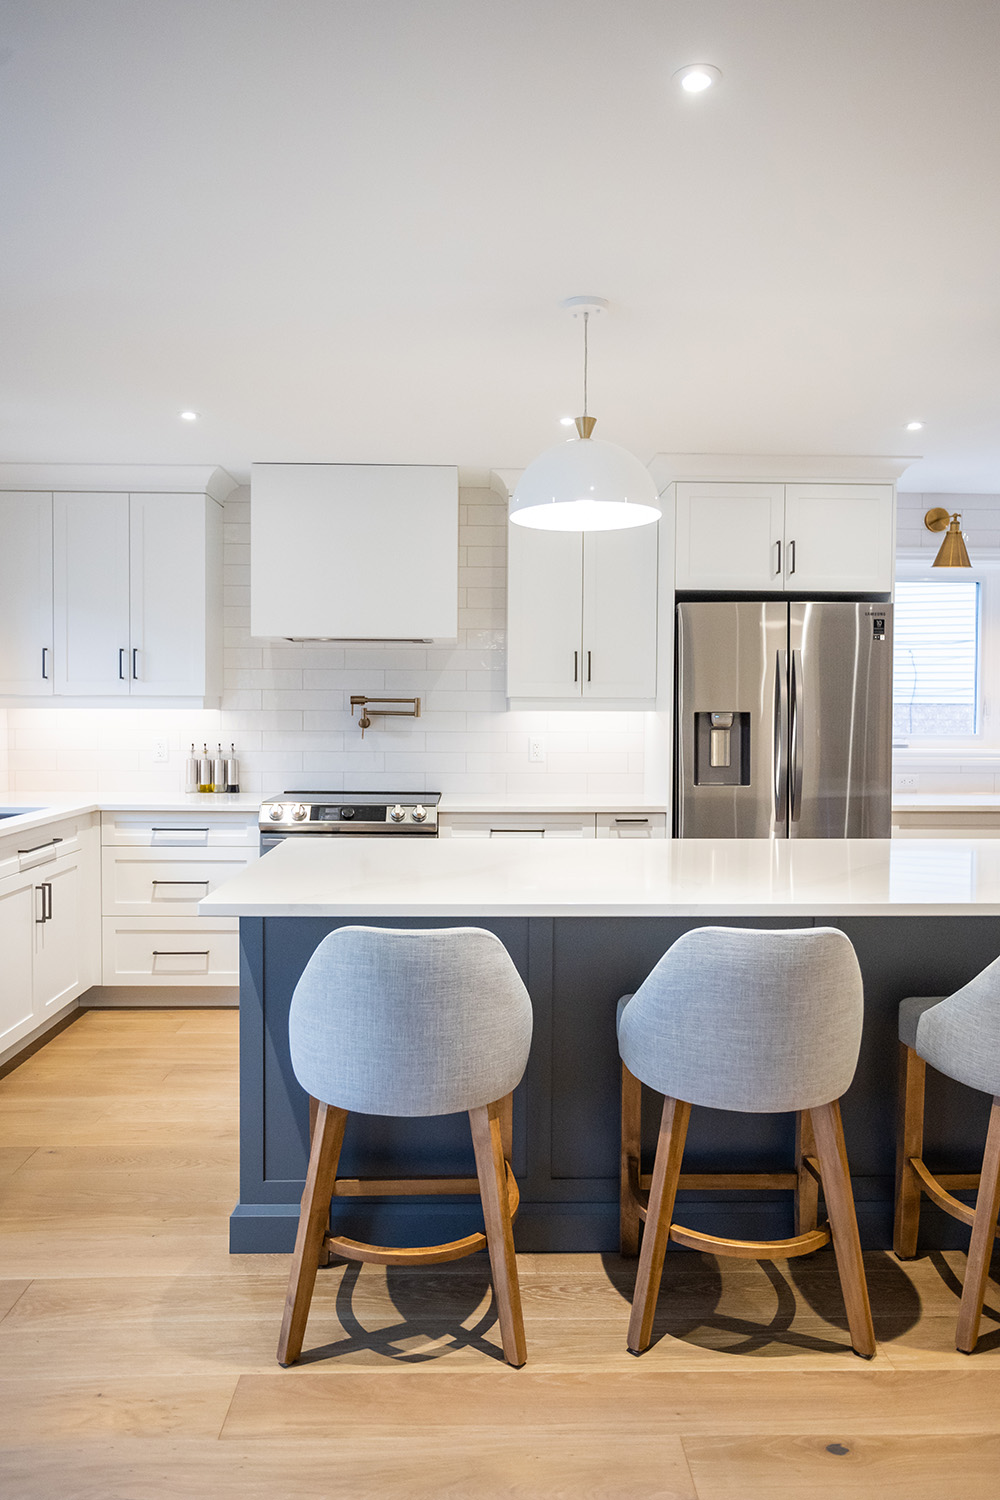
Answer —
16 812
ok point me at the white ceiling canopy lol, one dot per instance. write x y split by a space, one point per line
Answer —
343 231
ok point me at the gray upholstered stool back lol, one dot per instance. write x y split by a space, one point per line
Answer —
409 1023
748 1020
959 1036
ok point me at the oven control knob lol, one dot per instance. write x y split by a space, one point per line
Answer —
299 812
276 812
397 813
419 813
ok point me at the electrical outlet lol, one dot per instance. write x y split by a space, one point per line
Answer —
161 751
905 783
536 748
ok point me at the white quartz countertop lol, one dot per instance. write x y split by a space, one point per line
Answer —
616 878
37 817
970 802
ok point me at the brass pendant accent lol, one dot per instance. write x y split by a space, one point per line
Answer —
585 425
952 552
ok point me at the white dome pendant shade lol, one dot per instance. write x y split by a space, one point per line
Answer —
585 484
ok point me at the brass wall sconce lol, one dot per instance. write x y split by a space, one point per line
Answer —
358 700
952 552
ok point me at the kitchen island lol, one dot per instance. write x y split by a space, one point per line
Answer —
585 922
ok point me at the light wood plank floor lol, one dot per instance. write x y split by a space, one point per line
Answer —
137 1355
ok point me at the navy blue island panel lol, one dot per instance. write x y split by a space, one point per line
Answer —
566 1118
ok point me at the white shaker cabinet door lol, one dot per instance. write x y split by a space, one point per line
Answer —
26 594
839 537
167 651
619 613
17 927
58 945
91 594
544 613
730 536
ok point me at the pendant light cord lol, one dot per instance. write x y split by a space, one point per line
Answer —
586 320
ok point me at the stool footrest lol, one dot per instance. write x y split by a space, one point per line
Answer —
936 1192
397 1187
800 1244
729 1181
416 1255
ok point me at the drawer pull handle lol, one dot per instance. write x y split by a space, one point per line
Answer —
631 820
180 882
178 829
181 952
35 848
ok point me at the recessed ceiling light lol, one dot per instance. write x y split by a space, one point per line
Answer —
695 78
188 416
914 426
566 421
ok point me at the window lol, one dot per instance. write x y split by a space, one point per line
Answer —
936 659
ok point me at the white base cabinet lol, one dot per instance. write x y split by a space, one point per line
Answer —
156 867
785 538
581 617
48 927
553 825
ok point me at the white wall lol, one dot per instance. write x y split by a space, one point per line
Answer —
287 708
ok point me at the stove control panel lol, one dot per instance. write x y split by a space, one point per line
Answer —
354 817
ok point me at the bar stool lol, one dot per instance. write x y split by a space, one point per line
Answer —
409 1023
757 1022
959 1036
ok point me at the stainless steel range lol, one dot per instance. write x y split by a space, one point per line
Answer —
347 815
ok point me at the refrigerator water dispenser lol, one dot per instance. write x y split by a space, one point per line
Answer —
722 748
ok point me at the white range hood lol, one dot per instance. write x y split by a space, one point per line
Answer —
354 552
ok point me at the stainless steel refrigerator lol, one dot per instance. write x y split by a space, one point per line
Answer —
783 719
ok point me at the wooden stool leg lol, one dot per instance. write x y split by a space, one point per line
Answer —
666 1170
629 1222
981 1246
807 1190
487 1140
314 1216
909 1144
832 1155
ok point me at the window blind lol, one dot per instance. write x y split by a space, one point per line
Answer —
935 657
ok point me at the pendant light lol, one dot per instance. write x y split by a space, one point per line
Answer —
585 484
952 552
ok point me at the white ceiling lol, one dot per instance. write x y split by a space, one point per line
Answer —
341 230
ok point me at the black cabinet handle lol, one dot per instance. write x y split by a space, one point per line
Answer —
121 663
588 666
45 663
135 663
35 847
46 890
576 666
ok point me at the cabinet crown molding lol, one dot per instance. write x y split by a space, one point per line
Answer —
170 479
791 468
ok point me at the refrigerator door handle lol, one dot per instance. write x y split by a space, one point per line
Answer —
795 738
780 736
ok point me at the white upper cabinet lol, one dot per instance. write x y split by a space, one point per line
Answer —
840 536
26 594
354 551
581 616
544 613
91 594
175 558
729 536
778 538
111 594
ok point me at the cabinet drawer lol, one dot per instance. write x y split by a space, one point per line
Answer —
632 825
165 882
171 951
181 830
517 825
